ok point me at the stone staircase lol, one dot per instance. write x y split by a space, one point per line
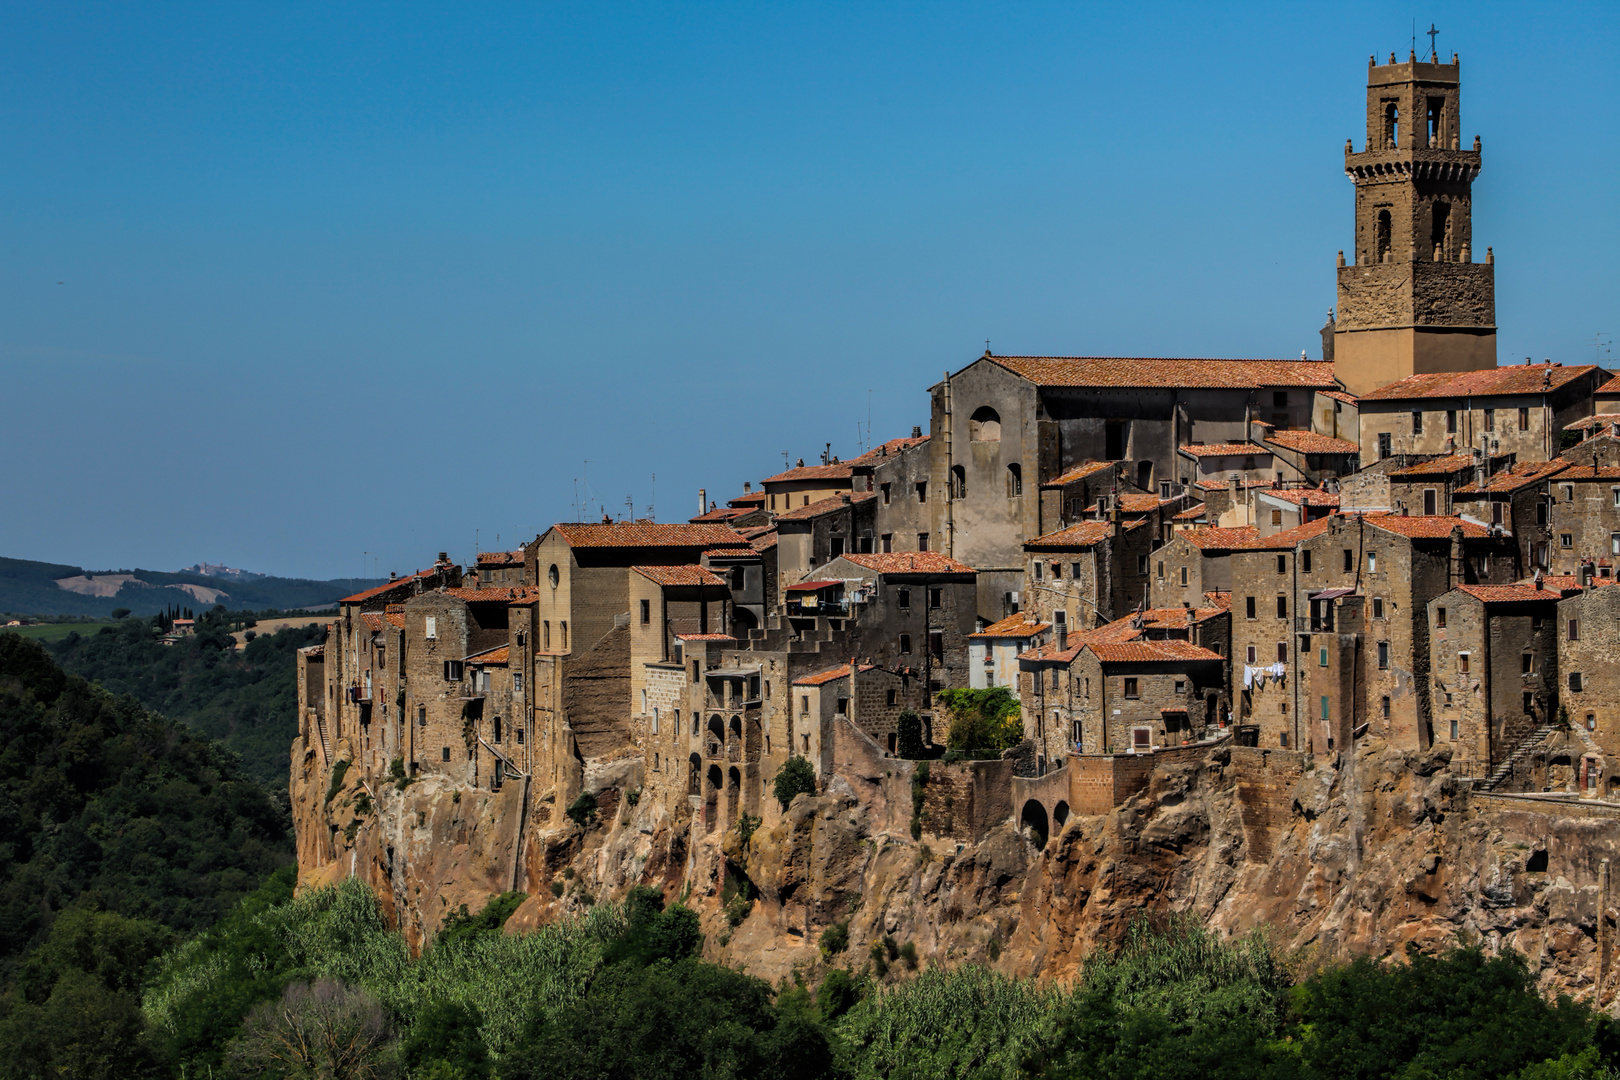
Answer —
1527 744
320 729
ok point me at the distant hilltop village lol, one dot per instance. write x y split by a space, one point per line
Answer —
1401 543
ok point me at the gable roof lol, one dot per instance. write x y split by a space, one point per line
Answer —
504 595
884 451
1013 626
621 534
1080 534
1509 594
500 558
380 589
821 678
1486 382
1341 395
1600 420
837 471
830 504
1167 372
500 654
1222 449
1440 466
1080 472
1517 476
678 575
1289 537
1215 539
1139 652
1417 527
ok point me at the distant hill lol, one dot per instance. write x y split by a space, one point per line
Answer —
55 589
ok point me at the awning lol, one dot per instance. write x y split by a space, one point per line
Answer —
812 586
1331 594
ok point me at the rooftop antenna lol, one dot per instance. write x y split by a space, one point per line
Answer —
651 515
1434 57
630 509
1600 348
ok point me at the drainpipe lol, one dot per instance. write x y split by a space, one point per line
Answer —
949 516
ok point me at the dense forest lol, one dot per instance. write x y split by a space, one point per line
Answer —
149 929
245 699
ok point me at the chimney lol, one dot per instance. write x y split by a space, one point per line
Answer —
843 498
444 557
748 485
703 501
1457 560
392 576
1232 490
916 431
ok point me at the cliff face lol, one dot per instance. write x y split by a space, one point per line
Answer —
1338 857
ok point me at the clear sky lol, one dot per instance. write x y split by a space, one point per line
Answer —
282 284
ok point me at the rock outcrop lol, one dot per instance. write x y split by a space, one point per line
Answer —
1335 856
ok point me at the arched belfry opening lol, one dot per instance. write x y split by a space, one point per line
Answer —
984 425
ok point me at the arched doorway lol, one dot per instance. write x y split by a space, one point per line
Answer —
1060 816
714 743
694 774
1033 821
733 790
711 798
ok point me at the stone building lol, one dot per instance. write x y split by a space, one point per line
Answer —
1087 574
1494 660
1412 299
1197 562
993 652
1589 687
808 536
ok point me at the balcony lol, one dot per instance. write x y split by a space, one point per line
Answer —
359 695
1313 624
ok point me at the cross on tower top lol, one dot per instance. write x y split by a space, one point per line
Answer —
1434 56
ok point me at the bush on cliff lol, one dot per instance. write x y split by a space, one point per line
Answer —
796 777
983 722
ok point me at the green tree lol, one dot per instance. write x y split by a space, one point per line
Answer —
446 1034
796 776
909 737
982 721
324 1029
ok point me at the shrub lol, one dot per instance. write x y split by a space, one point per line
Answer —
919 781
835 939
556 887
982 721
879 957
797 776
339 770
746 825
582 811
397 776
838 993
908 954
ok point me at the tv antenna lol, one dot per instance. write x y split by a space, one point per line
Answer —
1600 347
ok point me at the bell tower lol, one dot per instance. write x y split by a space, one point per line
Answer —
1413 299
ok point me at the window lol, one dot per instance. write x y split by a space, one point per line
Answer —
1378 607
421 716
1349 560
1130 688
446 753
452 671
887 542
1282 606
843 706
1248 607
1574 629
1040 569
1321 657
936 644
1276 517
1282 652
1384 448
553 576
1057 571
564 631
922 491
519 734
893 698
935 597
1453 729
985 425
646 612
1282 564
1569 492
432 630
1566 540
837 547
1074 571
922 541
1524 419
1015 481
1383 656
655 720
517 682
1575 681
1141 566
1305 562
1326 711
1279 399
1490 419
1462 663
545 634
884 488
1161 569
1184 577
1431 502
1451 421
902 599
1439 618
1250 655
1384 706
1417 423
1181 686
1054 680
1372 562
1529 702
905 643
1116 435
958 482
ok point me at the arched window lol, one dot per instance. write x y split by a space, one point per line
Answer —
564 628
958 482
1015 480
1392 125
1439 228
553 575
985 425
1383 239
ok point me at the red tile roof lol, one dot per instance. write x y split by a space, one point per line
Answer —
499 558
1340 395
761 539
821 678
1487 382
1080 534
1426 528
490 596
909 562
831 504
840 471
626 534
884 451
1289 537
1516 476
1130 629
373 619
1013 626
380 589
722 514
749 499
500 654
1137 652
1220 539
1080 472
705 637
1309 442
678 575
1508 594
1304 496
1587 472
1224 449
1600 420
814 586
1440 466
1221 484
1159 372
1192 513
1132 503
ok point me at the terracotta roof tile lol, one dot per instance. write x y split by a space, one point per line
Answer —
1587 472
501 654
499 558
705 637
839 471
1309 442
1013 626
1304 496
884 451
1080 472
1487 382
380 589
831 504
1150 651
490 596
1132 503
1340 395
1080 534
753 499
1225 449
1516 476
821 678
673 576
1507 594
626 534
1289 537
374 619
909 562
1188 373
1192 513
1440 466
721 514
1600 420
1221 485
1426 528
1220 539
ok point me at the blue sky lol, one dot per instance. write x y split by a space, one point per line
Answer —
281 286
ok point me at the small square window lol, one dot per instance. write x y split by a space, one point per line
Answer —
1575 681
446 753
1250 655
1439 618
1462 663
1130 687
1566 540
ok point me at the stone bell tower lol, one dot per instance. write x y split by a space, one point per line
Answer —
1413 300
